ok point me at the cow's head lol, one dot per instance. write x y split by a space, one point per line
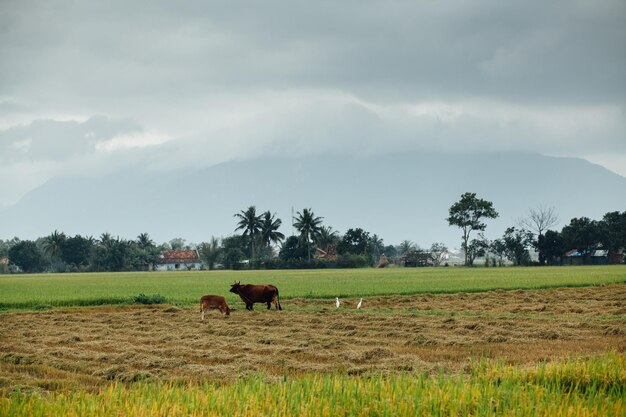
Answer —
234 288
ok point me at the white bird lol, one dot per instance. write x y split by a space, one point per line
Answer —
360 304
337 302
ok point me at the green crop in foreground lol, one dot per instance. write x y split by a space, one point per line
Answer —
591 387
29 291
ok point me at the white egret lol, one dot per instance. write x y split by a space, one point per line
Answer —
360 304
337 302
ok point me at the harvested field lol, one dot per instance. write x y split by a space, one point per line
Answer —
85 347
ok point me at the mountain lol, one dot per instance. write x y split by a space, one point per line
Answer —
400 196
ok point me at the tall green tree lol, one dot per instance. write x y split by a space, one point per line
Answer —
517 243
269 233
355 241
468 214
552 246
327 236
293 249
105 240
498 248
5 245
613 231
53 244
309 227
76 251
377 247
210 251
476 247
145 251
233 250
405 247
144 241
582 234
250 223
27 255
114 254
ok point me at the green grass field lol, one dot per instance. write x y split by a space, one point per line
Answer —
28 291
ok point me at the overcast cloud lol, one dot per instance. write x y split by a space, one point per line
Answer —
88 88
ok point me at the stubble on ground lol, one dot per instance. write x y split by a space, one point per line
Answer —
86 347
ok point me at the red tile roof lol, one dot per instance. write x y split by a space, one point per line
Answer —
179 256
4 261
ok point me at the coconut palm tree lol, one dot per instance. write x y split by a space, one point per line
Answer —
144 241
210 251
405 247
327 236
250 223
377 246
106 240
309 227
53 244
269 229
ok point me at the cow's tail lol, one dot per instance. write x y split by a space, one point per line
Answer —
278 300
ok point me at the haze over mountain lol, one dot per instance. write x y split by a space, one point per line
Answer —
397 196
130 117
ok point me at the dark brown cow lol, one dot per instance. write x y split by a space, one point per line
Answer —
217 302
251 294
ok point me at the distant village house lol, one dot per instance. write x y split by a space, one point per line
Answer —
179 260
329 253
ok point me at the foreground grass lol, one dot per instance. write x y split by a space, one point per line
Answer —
29 291
590 387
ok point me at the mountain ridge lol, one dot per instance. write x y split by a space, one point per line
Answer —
397 196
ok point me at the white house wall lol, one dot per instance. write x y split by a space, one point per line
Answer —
181 266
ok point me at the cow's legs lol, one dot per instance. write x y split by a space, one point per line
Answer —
249 306
202 314
269 305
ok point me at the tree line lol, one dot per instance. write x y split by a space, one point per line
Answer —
533 232
258 243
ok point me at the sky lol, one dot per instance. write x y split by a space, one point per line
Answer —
92 88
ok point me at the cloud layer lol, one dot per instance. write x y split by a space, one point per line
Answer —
92 87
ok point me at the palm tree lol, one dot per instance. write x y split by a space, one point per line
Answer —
377 246
327 236
53 244
106 240
405 247
250 223
309 227
269 229
144 241
210 251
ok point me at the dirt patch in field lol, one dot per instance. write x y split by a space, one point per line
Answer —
85 347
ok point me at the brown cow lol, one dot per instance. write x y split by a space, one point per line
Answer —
251 294
217 302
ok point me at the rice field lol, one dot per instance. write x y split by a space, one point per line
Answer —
184 288
430 342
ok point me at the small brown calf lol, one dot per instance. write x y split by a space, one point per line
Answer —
218 302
